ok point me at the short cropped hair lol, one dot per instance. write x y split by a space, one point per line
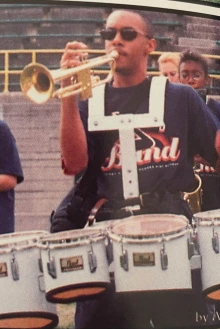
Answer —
146 20
194 56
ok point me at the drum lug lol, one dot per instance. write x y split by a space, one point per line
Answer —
124 258
109 251
15 268
40 265
191 248
92 259
164 258
193 251
41 282
215 242
51 267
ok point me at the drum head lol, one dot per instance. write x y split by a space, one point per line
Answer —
149 226
28 320
208 216
213 293
76 292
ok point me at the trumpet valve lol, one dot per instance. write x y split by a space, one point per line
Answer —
84 77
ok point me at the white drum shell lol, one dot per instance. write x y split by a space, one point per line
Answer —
25 294
207 224
75 276
149 278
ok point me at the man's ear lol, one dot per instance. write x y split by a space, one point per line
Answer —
150 46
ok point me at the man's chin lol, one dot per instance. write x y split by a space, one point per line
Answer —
122 70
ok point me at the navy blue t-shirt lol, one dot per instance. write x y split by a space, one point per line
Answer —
9 165
210 178
165 157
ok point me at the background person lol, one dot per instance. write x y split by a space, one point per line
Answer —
164 164
169 66
10 175
193 70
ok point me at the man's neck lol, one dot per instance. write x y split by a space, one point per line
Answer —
123 81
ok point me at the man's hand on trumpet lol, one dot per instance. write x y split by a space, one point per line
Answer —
72 57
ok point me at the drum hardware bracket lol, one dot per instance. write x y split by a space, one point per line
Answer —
193 251
41 279
109 250
14 268
193 246
40 264
124 258
92 259
196 262
215 242
164 258
215 239
51 266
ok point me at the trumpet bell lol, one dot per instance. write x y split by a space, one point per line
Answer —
37 83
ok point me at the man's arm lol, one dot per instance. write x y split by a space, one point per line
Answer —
217 146
7 182
73 141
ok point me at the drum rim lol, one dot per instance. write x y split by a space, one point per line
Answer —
31 239
55 240
205 221
207 218
152 238
146 240
96 284
37 314
211 289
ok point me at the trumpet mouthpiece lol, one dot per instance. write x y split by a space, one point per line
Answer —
114 54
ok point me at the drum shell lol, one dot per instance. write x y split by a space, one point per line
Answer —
24 297
74 276
25 294
208 223
142 277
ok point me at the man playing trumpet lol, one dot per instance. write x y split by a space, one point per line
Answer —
164 160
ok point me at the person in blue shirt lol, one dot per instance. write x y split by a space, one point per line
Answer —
163 157
11 174
193 70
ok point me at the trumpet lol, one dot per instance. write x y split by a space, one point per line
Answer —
194 198
37 82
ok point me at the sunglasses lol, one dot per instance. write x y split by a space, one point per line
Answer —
127 33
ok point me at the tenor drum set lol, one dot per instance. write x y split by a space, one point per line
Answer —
140 253
23 302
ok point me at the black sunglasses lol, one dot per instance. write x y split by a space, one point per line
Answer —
127 33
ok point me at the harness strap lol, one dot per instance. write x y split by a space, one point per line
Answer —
126 123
